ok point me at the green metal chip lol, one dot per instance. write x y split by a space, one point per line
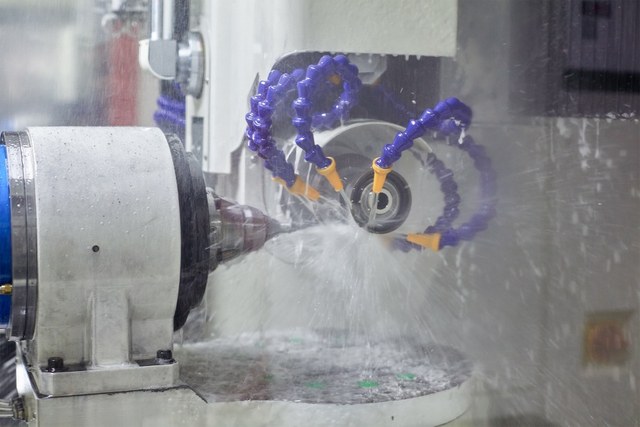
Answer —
406 376
315 385
367 384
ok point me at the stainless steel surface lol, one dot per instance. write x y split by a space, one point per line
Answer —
29 175
156 20
160 51
23 236
182 406
191 63
236 229
117 379
161 57
17 322
243 229
215 229
161 15
168 14
108 279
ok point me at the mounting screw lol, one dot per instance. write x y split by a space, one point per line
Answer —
55 364
6 289
95 248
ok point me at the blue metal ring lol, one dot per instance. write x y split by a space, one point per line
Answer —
5 238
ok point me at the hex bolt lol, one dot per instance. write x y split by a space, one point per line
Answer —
55 364
164 355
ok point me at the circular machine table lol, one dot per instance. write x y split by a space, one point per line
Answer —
293 380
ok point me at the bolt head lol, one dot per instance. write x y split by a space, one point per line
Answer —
55 364
164 355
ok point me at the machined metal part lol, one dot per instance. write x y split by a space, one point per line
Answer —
28 166
77 379
191 62
108 248
159 57
95 303
244 229
235 229
159 53
194 227
161 20
215 229
23 235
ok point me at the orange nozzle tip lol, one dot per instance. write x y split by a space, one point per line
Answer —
301 188
431 241
335 79
331 174
279 181
379 176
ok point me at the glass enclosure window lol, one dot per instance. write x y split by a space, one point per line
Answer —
528 319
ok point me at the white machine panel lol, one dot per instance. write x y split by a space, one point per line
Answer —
243 40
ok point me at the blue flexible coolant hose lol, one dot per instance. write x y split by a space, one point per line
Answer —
170 115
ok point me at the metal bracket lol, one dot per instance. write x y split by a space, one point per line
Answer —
159 57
